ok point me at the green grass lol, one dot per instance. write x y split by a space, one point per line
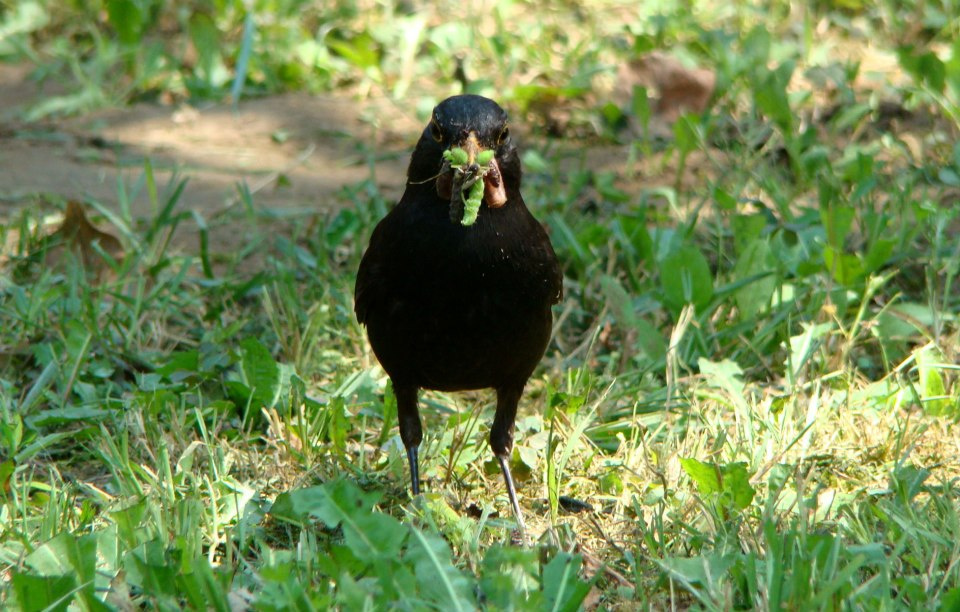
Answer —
752 382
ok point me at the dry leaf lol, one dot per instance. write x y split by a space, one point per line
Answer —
240 600
680 89
118 594
82 238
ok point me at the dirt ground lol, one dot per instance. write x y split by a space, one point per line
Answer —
293 151
316 144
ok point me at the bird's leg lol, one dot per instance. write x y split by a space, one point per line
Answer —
512 492
411 432
501 441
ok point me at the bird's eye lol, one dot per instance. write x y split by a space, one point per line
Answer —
436 132
504 136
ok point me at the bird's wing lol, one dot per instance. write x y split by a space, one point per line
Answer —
542 252
556 276
371 276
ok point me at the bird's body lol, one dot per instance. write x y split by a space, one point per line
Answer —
453 307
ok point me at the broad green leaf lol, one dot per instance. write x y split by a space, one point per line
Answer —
640 106
731 481
705 475
770 94
451 37
351 594
48 593
525 95
373 536
612 114
126 18
686 278
7 469
726 376
562 587
685 134
152 568
260 373
845 268
396 581
206 40
756 46
200 587
362 50
180 361
76 556
950 602
128 521
849 117
746 229
698 571
837 221
637 237
949 176
908 481
878 254
926 68
369 535
803 346
299 504
736 484
507 580
933 391
65 554
723 199
440 582
46 378
534 162
649 339
756 260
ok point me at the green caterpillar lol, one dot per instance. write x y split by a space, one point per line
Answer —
485 157
458 157
471 205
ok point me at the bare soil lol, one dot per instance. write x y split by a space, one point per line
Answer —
292 151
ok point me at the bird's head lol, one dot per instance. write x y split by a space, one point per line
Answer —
474 124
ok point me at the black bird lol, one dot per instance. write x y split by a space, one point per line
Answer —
453 307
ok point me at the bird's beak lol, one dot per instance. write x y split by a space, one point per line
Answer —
472 146
494 194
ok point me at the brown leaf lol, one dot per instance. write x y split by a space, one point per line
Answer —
680 89
119 593
80 236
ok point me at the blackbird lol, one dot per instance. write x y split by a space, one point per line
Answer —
454 307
